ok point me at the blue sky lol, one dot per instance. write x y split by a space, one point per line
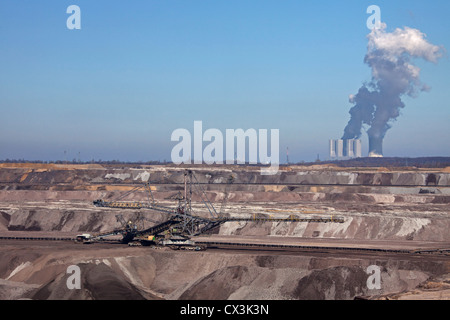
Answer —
138 70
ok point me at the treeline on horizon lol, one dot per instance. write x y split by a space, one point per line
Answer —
422 162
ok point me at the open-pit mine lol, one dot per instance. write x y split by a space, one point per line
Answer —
166 232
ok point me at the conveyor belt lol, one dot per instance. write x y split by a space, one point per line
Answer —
289 219
38 238
237 245
253 218
262 246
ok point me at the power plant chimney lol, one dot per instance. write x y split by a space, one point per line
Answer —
349 148
332 149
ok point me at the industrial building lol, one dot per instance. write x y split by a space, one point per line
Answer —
345 149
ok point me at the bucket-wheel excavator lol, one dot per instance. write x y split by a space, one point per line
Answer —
181 222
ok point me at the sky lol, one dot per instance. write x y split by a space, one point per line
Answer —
136 71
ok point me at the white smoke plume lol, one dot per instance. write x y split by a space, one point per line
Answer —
378 102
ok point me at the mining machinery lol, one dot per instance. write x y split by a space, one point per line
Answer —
181 223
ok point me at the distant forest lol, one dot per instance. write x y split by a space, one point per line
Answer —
423 162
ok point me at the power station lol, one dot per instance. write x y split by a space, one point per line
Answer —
345 149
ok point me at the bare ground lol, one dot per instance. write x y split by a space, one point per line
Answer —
381 209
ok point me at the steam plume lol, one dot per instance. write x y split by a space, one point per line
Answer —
378 102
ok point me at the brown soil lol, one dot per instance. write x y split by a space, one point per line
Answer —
98 282
37 270
394 206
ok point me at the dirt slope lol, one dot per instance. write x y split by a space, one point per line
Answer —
98 282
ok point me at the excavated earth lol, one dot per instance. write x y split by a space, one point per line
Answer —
403 207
